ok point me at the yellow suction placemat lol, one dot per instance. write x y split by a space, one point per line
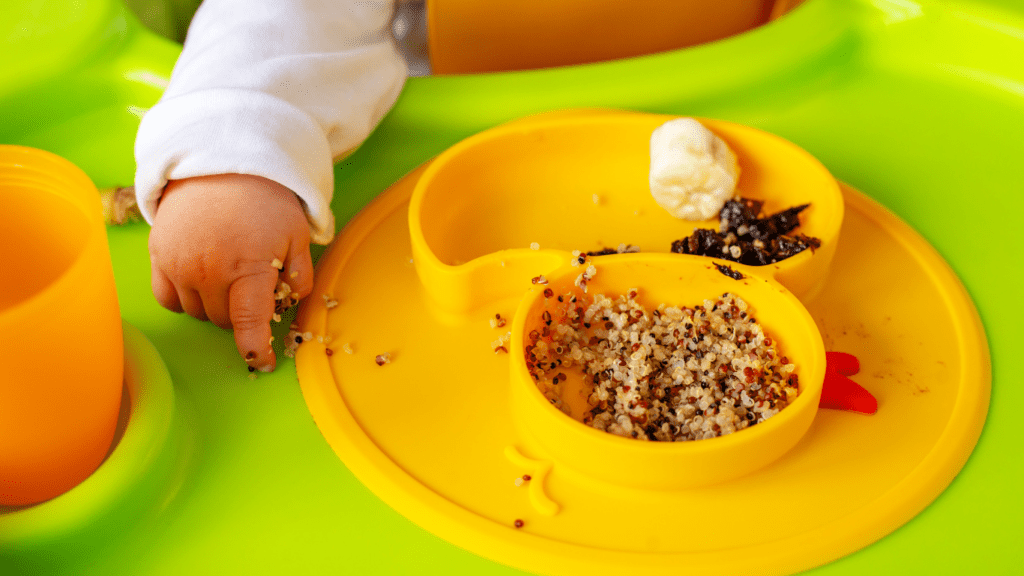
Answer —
416 403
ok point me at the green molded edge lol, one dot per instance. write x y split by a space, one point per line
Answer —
128 490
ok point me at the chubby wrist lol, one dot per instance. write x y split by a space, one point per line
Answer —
254 188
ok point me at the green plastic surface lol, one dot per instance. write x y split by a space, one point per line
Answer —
918 104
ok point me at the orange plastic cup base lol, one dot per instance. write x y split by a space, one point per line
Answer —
60 323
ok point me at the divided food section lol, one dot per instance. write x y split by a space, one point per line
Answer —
563 181
519 202
659 280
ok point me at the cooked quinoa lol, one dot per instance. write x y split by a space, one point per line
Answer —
294 339
669 374
284 298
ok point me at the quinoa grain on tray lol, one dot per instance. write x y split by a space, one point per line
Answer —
669 374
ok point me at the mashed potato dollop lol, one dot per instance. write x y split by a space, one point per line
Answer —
693 171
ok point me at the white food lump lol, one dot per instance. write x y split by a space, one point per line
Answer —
693 172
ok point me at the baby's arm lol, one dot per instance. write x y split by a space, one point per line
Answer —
235 161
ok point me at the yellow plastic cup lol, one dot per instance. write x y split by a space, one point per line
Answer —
62 357
674 280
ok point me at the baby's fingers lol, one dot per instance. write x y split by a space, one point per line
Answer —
164 291
192 302
300 269
251 306
215 303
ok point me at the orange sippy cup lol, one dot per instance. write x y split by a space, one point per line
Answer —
61 346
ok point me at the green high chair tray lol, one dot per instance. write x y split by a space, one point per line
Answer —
914 106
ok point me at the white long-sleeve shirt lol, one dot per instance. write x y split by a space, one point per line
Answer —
272 88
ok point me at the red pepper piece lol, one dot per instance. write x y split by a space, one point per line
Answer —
841 363
839 392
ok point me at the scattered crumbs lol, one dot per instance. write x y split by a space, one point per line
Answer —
622 249
577 258
277 264
252 376
539 279
728 271
586 276
499 345
329 302
497 321
519 481
276 317
347 348
284 299
596 198
294 274
383 359
292 341
534 246
502 263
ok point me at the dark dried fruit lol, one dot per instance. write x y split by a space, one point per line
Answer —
745 237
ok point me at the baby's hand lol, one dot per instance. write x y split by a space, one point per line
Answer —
212 245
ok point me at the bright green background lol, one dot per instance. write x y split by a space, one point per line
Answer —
918 104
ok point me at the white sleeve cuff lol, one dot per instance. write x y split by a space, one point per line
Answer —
226 130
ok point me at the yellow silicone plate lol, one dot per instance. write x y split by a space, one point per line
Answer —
431 432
